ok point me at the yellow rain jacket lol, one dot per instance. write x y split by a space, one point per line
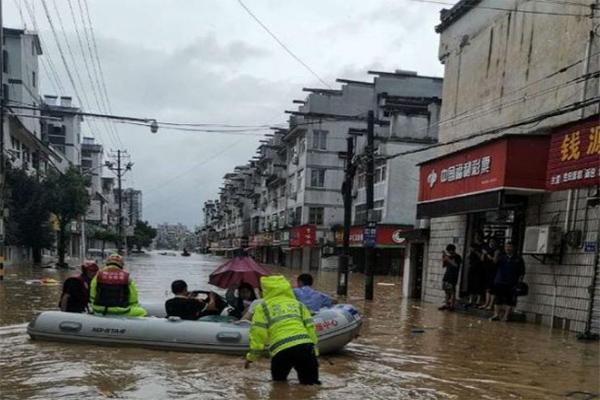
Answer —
112 301
280 321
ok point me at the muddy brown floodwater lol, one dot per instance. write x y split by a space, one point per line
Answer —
454 356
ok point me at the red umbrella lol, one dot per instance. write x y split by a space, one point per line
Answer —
236 271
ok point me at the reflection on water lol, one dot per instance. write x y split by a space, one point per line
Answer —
407 350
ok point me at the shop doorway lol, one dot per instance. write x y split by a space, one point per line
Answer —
417 252
504 225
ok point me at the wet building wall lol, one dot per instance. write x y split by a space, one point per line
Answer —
443 231
502 67
559 292
490 56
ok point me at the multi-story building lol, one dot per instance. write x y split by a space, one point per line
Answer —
290 192
96 216
133 199
406 109
172 236
23 145
315 170
520 153
63 130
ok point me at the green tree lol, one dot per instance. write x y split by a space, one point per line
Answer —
68 199
104 236
29 218
143 235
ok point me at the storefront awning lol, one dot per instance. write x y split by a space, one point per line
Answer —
491 175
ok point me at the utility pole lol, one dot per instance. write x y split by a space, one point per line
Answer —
120 223
370 241
119 169
342 285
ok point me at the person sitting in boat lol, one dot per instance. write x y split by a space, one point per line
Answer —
186 306
311 298
244 303
113 292
76 289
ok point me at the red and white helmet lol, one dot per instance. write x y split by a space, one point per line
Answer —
89 266
115 259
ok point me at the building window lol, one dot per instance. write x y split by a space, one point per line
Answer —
319 140
33 80
360 212
299 176
317 177
26 154
5 61
5 92
315 215
301 146
298 216
361 180
380 173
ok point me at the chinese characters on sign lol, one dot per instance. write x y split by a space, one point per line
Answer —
574 159
586 173
303 236
467 169
370 234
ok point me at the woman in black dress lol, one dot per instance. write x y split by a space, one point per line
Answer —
490 256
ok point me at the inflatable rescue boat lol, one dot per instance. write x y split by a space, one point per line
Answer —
335 326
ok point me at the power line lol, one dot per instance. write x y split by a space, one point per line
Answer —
48 58
309 69
531 120
191 169
49 76
98 63
561 14
103 98
69 50
71 53
87 67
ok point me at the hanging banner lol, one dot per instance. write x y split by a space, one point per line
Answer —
574 156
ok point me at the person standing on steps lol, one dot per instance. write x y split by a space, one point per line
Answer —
451 262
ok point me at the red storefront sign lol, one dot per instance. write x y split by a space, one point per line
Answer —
511 162
390 235
387 236
574 157
303 236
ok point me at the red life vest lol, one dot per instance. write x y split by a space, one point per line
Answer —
112 289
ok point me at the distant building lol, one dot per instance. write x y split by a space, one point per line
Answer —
63 135
133 198
172 236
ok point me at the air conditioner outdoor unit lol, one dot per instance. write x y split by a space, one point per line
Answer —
542 240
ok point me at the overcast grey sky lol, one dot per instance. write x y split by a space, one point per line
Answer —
209 62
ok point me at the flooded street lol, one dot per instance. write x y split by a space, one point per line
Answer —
407 350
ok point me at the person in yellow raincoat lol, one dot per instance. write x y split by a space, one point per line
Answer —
283 326
113 292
